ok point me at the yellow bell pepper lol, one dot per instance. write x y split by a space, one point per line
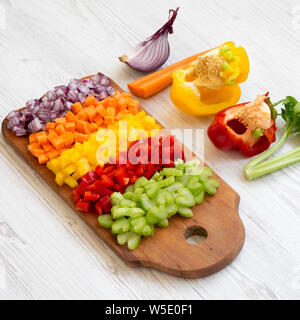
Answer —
210 84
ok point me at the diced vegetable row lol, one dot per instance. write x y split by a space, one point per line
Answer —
131 191
150 203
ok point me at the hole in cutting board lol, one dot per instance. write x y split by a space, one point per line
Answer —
195 235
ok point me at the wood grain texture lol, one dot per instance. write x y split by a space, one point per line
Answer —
168 249
47 252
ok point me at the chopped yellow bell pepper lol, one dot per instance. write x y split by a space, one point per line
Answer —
210 84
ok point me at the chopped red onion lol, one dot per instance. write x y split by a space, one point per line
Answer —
56 103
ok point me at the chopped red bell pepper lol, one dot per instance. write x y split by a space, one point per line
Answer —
91 196
90 177
105 204
99 171
248 127
83 205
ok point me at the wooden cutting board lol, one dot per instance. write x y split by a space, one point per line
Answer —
216 219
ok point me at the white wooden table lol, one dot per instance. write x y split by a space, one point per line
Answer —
46 251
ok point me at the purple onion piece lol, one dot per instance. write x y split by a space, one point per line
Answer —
103 95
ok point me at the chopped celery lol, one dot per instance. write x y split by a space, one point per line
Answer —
123 238
130 188
137 194
174 187
185 212
211 186
167 182
120 226
106 221
148 230
200 197
116 198
145 202
205 174
133 241
172 172
141 182
164 197
156 214
185 198
152 189
164 223
128 195
138 224
183 180
127 204
171 210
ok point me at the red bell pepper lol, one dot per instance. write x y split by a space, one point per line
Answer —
83 205
248 127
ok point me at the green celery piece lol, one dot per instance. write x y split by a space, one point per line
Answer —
174 187
160 178
120 226
133 241
195 186
148 230
136 212
141 182
172 210
167 182
127 204
128 195
172 172
106 221
118 212
116 198
205 174
156 214
184 180
200 197
152 189
137 194
185 212
145 202
123 238
179 164
185 198
164 197
130 188
138 224
164 223
192 164
155 176
211 186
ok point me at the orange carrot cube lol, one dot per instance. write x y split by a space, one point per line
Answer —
77 107
90 101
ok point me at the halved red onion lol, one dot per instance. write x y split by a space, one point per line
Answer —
56 103
154 51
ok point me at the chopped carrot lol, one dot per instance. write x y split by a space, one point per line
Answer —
33 138
68 138
120 115
47 147
80 137
42 138
109 120
122 103
82 115
92 127
70 126
156 81
50 125
43 158
61 121
117 95
100 109
91 112
77 107
113 103
89 101
38 152
70 116
60 129
111 112
58 142
81 126
53 154
99 120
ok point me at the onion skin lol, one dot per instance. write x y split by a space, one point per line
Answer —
154 51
